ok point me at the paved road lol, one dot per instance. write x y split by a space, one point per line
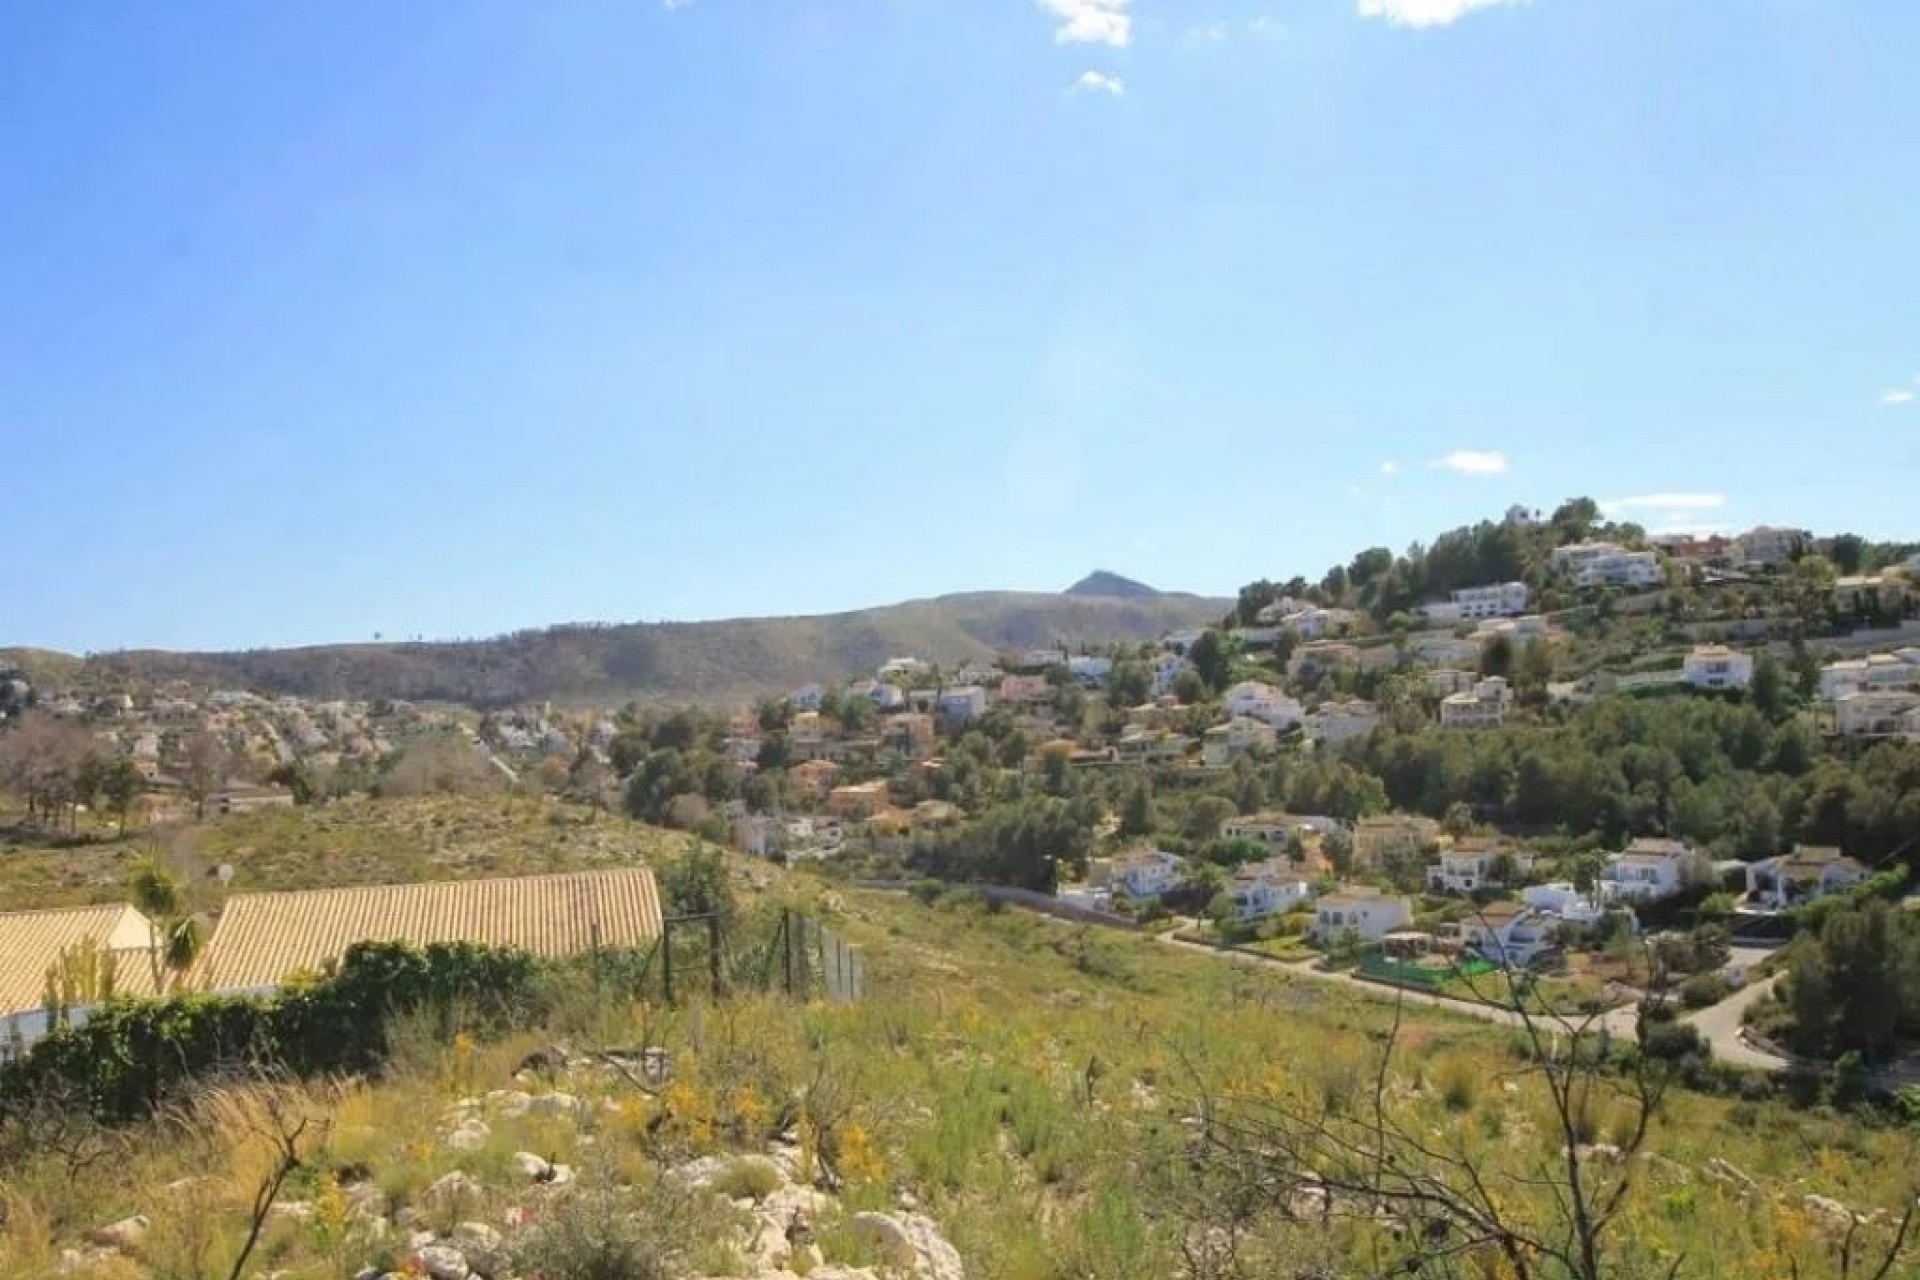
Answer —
1718 1024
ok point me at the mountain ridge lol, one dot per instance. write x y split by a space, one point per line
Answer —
724 660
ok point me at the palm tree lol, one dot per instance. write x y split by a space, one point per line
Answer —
176 938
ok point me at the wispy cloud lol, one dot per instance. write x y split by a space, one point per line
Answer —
1666 502
1474 462
1267 27
1207 33
1389 468
1899 395
1425 13
1090 21
671 5
1099 82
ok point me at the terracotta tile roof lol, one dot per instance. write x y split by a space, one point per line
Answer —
263 937
31 942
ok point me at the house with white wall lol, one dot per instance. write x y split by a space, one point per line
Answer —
1714 666
1317 623
1597 564
1365 912
1482 707
1648 870
1766 545
1222 744
1875 673
1147 873
1337 723
1392 835
1877 715
1257 700
1496 600
1260 889
1507 933
1443 649
1809 872
1563 901
1475 863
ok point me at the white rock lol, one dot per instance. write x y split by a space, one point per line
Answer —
887 1236
1831 1212
555 1104
124 1234
366 1202
453 1191
484 1248
442 1262
562 1175
290 1211
511 1103
420 1239
532 1167
471 1135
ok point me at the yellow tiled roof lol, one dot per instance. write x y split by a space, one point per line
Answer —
263 937
31 943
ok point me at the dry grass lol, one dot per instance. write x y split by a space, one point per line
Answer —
1032 1106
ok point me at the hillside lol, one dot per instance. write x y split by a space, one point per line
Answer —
995 1060
735 659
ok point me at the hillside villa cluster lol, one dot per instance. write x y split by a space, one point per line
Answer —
1519 913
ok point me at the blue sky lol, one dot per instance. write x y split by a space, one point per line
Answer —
339 318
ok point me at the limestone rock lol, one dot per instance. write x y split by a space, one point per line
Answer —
290 1211
532 1167
555 1104
452 1192
471 1134
1830 1213
910 1241
443 1262
484 1248
511 1103
124 1234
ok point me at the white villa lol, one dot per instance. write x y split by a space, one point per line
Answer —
1476 864
1316 623
1482 707
1599 564
1647 871
1267 888
1499 600
1507 933
1877 715
1222 744
1765 545
1714 666
1875 673
1807 873
1335 723
1147 874
1363 911
1256 700
1563 901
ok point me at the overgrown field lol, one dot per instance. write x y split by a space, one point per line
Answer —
1053 1098
352 841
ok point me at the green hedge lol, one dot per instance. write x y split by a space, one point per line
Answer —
132 1054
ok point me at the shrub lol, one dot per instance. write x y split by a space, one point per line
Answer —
1672 1041
1459 1083
749 1178
600 1232
1703 989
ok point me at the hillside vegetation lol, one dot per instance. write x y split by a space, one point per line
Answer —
732 660
1033 1091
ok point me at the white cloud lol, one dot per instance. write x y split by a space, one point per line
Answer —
1207 33
1389 468
1474 462
1425 13
671 5
1897 396
1666 502
1090 21
1100 82
1267 27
